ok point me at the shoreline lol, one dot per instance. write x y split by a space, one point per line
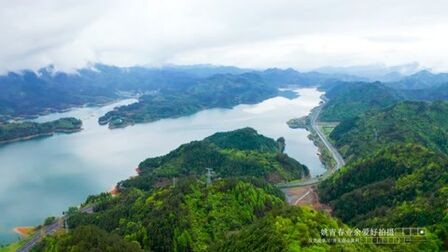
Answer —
24 230
130 122
49 134
19 139
21 118
114 191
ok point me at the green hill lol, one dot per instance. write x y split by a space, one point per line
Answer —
416 122
246 139
399 186
420 80
236 153
294 229
188 217
218 91
396 173
231 214
236 212
88 238
439 92
348 100
17 131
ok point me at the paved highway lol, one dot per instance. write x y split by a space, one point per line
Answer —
334 152
49 230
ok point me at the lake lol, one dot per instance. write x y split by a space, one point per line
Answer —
43 177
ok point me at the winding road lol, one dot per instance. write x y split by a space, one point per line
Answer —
334 152
49 230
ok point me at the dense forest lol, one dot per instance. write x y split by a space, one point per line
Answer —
394 140
239 210
350 99
292 228
233 214
402 185
223 91
190 215
241 152
16 131
88 238
425 123
397 169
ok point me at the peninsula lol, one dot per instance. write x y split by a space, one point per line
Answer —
20 131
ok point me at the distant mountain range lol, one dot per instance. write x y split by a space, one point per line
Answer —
376 72
31 93
350 99
420 80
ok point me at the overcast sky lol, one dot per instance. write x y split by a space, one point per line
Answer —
303 34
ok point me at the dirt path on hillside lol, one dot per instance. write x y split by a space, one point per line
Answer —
305 196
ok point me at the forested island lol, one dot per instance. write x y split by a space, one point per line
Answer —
218 91
19 131
299 123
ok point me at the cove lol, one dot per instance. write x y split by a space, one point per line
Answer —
43 177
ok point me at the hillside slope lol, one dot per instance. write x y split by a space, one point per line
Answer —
348 100
399 186
396 173
416 122
218 91
238 211
241 152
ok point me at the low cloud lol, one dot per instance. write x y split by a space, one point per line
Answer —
264 33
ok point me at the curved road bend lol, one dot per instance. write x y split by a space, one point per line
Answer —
49 230
334 152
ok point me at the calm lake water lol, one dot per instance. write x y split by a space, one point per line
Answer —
42 177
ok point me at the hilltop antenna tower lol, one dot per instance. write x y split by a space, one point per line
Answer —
64 221
209 175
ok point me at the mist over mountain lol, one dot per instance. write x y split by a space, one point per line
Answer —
28 93
375 72
421 80
195 126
